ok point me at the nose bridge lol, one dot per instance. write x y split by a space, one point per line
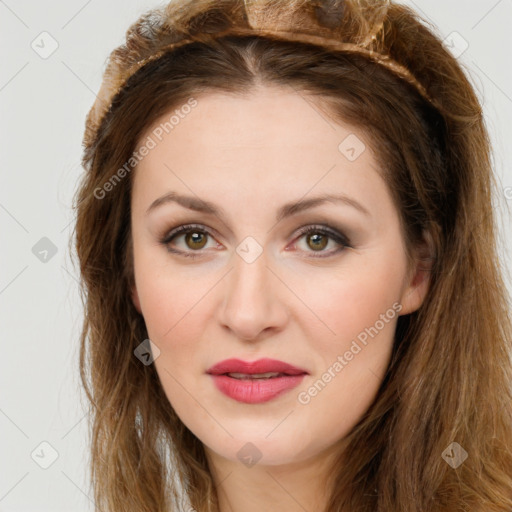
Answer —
251 303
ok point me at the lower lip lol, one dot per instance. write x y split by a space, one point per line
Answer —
256 391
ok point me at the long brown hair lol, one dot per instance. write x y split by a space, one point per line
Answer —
450 376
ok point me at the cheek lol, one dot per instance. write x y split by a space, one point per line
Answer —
349 329
358 303
171 306
168 293
351 361
342 302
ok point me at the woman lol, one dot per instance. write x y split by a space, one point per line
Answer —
292 294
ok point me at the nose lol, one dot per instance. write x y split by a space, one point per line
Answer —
253 305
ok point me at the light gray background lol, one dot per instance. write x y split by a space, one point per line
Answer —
43 107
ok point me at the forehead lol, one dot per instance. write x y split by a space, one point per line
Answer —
273 139
285 114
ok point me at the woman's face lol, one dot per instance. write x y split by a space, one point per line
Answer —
245 283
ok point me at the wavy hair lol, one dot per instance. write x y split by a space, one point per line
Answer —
450 375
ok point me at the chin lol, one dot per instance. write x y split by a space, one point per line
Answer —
257 450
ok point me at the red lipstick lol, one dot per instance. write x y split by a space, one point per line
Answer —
257 381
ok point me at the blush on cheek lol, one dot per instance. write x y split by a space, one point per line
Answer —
349 306
176 327
166 304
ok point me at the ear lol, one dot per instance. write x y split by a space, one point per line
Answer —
418 280
135 299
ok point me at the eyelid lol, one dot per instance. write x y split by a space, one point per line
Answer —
184 228
328 229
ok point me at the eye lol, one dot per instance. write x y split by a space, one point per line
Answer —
317 237
195 238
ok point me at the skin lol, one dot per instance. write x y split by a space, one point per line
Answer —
249 155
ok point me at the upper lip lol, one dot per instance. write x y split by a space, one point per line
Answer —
254 367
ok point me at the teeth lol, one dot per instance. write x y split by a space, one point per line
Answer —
267 375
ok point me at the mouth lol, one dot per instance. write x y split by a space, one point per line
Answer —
255 382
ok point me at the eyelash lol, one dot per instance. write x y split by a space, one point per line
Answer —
325 230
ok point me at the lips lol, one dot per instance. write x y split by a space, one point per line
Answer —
255 382
261 366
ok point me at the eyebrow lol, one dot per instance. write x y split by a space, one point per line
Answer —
287 210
